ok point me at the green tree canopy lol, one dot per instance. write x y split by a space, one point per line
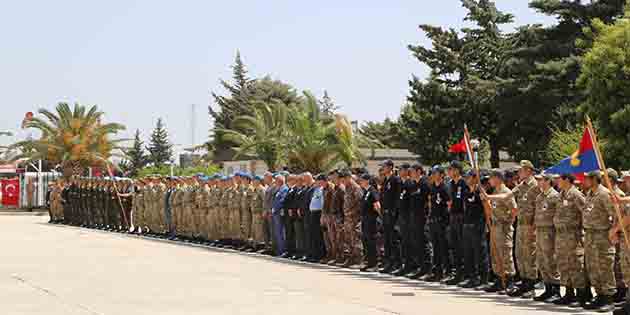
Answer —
160 148
605 78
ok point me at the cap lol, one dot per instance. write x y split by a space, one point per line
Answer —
345 173
366 177
388 162
417 167
538 176
405 166
321 177
625 174
527 163
470 173
596 174
258 178
614 176
497 173
437 169
456 165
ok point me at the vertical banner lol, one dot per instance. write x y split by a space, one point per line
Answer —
10 192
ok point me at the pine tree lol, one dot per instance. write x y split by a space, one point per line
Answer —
327 105
137 157
236 103
160 149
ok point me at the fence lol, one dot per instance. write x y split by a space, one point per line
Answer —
34 187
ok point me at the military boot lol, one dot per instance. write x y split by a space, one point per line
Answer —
624 310
555 294
583 298
602 304
519 290
568 298
620 296
530 291
495 287
508 285
547 294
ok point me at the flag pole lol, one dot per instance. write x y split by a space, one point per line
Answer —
124 215
602 166
494 253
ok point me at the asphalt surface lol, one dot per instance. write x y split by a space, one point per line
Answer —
59 270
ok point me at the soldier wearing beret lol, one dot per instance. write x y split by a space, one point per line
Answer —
598 218
504 209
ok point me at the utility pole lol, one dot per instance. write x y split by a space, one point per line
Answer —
192 125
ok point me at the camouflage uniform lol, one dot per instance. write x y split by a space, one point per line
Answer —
246 212
619 275
235 213
161 208
256 208
526 193
503 230
352 215
228 201
569 239
213 208
599 253
336 227
224 213
203 208
547 204
138 209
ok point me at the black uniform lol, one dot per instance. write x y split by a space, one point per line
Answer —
476 264
419 211
458 190
368 224
409 186
390 205
291 202
438 221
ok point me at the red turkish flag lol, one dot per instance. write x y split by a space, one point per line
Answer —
10 192
458 147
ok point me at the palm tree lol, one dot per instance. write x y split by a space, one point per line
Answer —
73 138
313 145
263 134
3 148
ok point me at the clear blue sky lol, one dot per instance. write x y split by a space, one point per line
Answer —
140 60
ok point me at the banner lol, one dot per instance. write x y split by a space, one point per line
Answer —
10 192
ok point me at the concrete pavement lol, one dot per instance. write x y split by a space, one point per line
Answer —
59 270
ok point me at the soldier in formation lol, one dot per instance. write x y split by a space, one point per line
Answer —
458 228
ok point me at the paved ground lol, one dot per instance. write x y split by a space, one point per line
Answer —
58 270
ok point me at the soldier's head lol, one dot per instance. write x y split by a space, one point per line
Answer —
417 171
471 178
613 176
333 176
364 181
455 169
268 178
592 179
526 169
307 178
345 177
279 180
405 169
497 178
545 181
322 180
246 179
257 180
625 177
388 167
566 181
437 174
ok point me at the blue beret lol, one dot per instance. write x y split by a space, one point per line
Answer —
258 178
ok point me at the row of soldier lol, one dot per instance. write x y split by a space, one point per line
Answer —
431 226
